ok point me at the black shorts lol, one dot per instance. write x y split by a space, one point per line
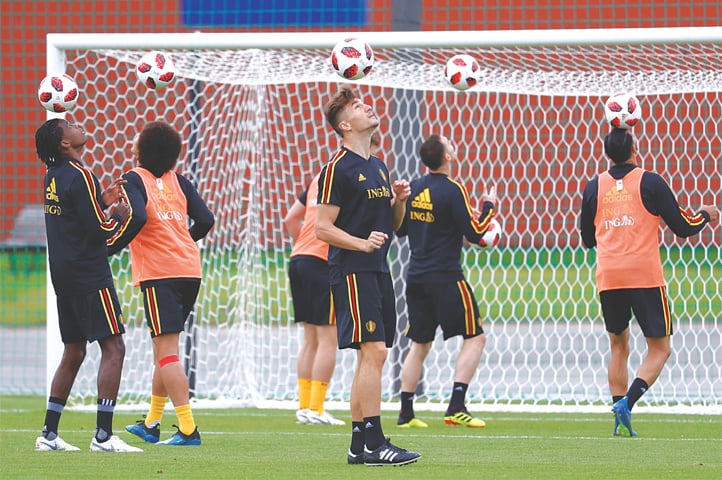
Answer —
451 305
365 306
650 307
168 303
310 290
89 316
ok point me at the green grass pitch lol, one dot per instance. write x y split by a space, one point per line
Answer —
267 444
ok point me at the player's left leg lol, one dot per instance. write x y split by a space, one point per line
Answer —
410 375
658 351
112 350
176 384
304 371
466 364
323 365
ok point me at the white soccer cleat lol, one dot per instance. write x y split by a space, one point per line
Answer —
302 416
325 418
113 444
42 444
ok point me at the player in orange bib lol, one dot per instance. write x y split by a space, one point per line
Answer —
165 263
620 215
312 306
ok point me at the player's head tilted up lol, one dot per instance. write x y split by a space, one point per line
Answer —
56 138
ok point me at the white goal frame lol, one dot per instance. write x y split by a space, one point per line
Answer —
57 45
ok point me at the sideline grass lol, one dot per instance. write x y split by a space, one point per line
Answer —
267 444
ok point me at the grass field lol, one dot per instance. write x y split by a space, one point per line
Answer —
267 444
528 284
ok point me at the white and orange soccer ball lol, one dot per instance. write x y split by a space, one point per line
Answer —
622 110
352 58
462 71
58 93
492 236
156 70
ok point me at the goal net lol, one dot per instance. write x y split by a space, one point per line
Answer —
249 107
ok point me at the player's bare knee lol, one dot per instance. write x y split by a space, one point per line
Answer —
113 347
74 355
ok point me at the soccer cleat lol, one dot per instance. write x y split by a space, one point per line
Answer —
389 454
325 418
355 458
113 444
413 422
302 416
42 444
623 419
181 439
140 429
464 418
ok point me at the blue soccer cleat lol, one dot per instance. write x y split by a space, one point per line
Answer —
623 419
181 439
149 434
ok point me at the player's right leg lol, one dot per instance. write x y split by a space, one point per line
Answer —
148 429
72 359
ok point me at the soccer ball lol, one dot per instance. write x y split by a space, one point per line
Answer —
462 71
58 93
156 70
492 236
352 58
623 110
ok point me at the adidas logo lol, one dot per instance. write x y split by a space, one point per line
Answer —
388 455
423 200
361 177
369 425
51 193
614 196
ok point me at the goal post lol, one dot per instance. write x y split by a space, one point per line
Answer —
249 107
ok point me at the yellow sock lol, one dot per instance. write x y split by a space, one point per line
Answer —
304 393
186 424
155 414
318 394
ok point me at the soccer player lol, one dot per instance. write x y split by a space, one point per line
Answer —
165 263
355 217
438 217
88 309
308 275
620 215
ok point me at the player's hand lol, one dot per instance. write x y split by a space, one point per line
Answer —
122 210
712 211
402 190
375 241
114 191
489 196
